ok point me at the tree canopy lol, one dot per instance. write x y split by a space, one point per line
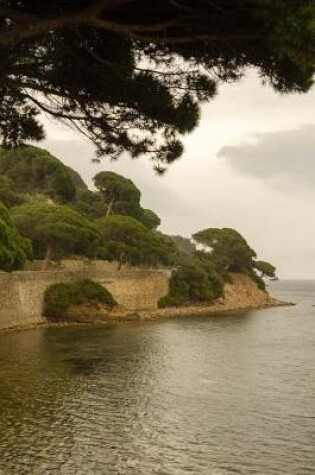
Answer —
14 249
57 231
129 241
120 194
8 196
90 203
131 74
185 245
149 218
229 250
265 269
114 195
33 170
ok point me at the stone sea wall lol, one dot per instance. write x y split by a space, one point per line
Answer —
21 293
136 290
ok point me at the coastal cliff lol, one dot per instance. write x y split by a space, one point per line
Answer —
243 292
240 294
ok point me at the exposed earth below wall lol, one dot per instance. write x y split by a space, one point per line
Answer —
241 294
137 291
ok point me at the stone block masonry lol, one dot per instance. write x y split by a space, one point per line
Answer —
135 289
22 293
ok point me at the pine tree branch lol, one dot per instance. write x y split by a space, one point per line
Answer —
158 33
17 15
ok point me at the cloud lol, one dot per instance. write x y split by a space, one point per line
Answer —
285 158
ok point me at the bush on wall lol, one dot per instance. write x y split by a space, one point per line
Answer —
59 297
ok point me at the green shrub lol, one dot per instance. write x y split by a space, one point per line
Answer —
192 282
59 297
14 249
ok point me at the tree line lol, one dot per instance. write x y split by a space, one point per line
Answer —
48 213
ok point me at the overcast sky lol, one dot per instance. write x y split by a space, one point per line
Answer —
249 165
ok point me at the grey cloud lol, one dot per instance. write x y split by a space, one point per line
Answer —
281 158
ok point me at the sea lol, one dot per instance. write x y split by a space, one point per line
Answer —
204 395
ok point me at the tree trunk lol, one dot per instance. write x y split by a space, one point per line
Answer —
120 262
48 255
110 207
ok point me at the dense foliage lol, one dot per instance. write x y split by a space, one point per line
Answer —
88 63
229 250
90 203
120 194
185 245
33 170
109 223
14 249
56 231
114 195
265 269
192 282
129 241
149 218
59 297
8 196
201 274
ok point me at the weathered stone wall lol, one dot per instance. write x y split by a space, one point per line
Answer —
136 290
21 293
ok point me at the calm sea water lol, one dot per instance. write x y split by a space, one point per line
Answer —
209 395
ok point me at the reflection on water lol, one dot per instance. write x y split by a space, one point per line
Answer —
217 395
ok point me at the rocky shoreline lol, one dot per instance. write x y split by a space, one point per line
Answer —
204 310
153 315
241 294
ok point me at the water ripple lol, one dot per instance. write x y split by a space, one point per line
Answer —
209 396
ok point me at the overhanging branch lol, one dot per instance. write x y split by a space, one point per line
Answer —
25 26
